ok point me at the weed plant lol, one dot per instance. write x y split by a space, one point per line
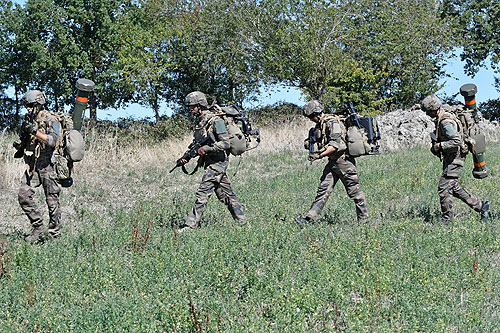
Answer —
121 266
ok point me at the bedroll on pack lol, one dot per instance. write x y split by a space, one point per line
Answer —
242 137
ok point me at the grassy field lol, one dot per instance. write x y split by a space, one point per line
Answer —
120 266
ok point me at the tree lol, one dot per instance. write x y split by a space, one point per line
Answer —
375 53
212 53
478 32
92 25
14 60
143 61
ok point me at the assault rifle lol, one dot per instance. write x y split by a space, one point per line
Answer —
193 150
24 136
435 140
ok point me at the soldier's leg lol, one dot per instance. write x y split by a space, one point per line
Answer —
446 198
205 190
52 190
25 198
327 183
226 195
350 178
461 193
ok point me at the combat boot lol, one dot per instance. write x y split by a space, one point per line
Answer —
485 207
184 229
302 220
37 236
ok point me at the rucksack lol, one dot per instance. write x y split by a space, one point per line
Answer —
70 148
363 134
473 137
242 137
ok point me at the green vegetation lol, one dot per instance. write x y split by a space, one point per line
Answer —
127 270
380 55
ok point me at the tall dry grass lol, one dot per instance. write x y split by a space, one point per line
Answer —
114 175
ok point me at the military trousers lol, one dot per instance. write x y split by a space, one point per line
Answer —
449 188
214 181
345 171
43 175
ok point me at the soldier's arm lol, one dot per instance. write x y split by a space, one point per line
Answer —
335 139
221 137
50 138
452 138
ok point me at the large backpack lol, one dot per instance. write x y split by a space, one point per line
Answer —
363 134
70 148
473 137
242 137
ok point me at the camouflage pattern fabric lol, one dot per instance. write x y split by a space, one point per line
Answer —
454 154
43 175
344 170
332 132
40 172
217 181
214 178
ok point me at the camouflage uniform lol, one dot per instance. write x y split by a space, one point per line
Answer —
331 132
454 153
40 171
214 178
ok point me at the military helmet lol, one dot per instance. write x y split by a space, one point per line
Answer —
312 107
431 103
33 96
196 98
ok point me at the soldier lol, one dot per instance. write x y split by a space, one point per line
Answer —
330 133
42 130
214 158
450 145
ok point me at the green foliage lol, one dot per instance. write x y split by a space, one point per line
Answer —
131 131
278 113
491 109
382 55
478 30
403 270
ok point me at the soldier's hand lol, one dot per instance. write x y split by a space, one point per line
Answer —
17 144
436 148
181 161
202 150
315 156
30 127
306 144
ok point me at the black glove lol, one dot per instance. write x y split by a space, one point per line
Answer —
29 127
436 149
315 156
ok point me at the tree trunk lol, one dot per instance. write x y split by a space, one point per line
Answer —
93 111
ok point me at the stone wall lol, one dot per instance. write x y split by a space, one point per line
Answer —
403 129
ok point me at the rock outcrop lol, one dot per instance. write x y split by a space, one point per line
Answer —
409 128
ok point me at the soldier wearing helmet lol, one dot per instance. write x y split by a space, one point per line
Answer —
451 148
215 160
330 137
42 130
